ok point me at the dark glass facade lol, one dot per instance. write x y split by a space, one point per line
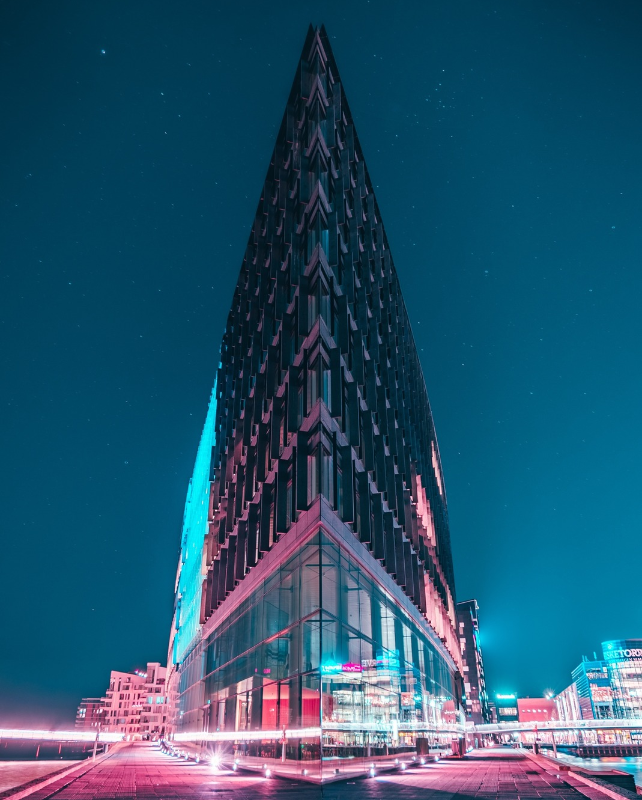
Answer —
316 540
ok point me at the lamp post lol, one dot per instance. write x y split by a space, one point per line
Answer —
93 757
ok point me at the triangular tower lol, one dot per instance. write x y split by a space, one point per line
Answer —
315 614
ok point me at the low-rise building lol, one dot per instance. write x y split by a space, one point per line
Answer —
536 709
506 706
135 703
90 713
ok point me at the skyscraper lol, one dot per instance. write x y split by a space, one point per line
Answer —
315 591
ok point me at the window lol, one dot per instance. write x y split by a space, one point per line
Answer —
313 474
327 382
357 504
339 482
313 384
313 308
327 475
324 298
288 501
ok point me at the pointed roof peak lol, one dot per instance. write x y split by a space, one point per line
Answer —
314 44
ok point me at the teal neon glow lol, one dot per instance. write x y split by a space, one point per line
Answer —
190 579
331 669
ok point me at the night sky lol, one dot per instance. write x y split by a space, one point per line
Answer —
504 142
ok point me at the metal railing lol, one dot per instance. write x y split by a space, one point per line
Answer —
558 725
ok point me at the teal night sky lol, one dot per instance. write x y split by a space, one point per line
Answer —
504 141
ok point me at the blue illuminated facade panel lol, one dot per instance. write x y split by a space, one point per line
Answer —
325 588
189 579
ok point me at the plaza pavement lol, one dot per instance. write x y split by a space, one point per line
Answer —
141 772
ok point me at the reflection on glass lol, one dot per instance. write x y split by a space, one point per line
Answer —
320 645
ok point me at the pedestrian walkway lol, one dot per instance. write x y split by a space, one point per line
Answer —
141 772
492 774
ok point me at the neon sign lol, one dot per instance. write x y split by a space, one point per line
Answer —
335 669
331 669
624 653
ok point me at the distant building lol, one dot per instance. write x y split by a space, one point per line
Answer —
476 696
591 679
90 713
567 703
536 709
623 659
610 688
135 704
506 705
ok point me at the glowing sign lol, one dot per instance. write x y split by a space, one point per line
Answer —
335 669
623 653
505 696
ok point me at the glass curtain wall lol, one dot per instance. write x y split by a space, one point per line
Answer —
320 645
626 685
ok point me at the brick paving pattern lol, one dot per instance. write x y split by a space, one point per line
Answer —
142 772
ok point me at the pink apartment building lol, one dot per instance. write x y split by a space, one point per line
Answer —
135 704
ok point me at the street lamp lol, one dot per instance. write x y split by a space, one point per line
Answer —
100 722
